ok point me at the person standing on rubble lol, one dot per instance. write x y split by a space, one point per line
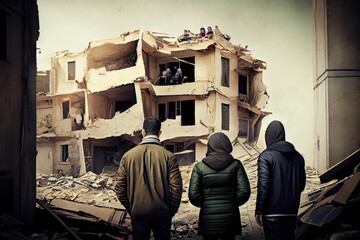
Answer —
281 179
219 185
149 184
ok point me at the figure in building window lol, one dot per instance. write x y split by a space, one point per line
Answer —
178 76
168 76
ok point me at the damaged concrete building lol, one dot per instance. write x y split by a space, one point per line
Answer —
91 105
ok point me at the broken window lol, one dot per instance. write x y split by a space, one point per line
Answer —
170 110
184 152
64 153
162 112
112 56
225 72
122 106
43 82
3 35
242 85
188 113
66 109
243 128
71 71
112 101
225 116
187 66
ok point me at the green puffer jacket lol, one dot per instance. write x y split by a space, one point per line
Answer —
219 185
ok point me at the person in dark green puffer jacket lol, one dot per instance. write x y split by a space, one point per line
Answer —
219 185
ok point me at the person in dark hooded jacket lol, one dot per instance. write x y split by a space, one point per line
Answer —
281 179
219 185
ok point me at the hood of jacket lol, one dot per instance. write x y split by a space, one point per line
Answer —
218 155
275 138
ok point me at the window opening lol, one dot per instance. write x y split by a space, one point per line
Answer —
64 153
225 116
71 71
66 109
225 73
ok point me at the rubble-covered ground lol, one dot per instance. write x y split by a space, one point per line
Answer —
186 220
89 207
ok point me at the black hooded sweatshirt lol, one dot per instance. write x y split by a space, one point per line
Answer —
281 175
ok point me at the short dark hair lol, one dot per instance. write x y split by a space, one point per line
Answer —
152 126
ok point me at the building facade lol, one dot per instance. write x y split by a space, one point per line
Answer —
91 105
336 81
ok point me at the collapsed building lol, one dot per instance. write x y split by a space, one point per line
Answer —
91 105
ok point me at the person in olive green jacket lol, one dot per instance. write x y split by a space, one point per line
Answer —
150 185
219 185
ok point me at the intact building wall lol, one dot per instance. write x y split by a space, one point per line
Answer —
337 80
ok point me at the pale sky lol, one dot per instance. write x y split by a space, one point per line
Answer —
278 31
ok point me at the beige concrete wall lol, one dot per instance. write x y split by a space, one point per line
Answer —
233 119
153 69
63 85
100 79
70 166
41 115
99 106
204 69
200 151
344 118
232 90
202 111
64 126
122 123
44 157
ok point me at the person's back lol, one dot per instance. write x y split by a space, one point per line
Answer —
286 183
150 185
281 179
219 185
147 169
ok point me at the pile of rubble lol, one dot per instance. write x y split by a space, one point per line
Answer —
82 202
328 212
87 207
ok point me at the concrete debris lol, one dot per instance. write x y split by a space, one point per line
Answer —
328 211
343 168
185 221
88 198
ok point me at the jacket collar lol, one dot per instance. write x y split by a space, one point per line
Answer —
151 139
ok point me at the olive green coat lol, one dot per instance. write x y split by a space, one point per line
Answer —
219 195
149 183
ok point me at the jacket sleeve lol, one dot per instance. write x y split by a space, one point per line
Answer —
264 169
195 196
175 185
121 186
242 186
